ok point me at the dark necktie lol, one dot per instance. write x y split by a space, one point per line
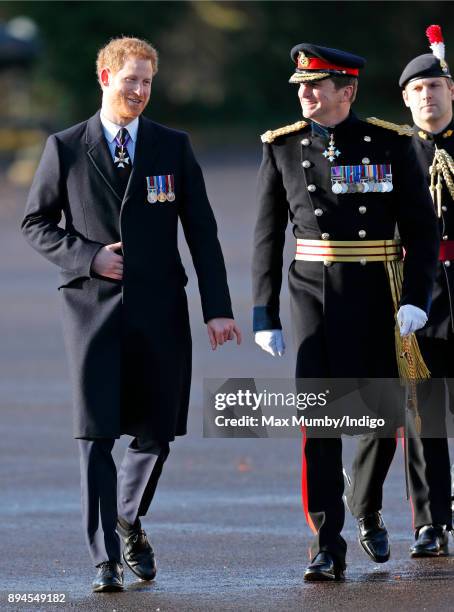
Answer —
122 161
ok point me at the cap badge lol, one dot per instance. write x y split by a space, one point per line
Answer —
303 61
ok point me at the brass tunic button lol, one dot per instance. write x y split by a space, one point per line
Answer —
306 163
318 212
363 261
447 263
311 188
445 237
362 210
362 233
444 208
327 263
367 138
325 236
305 142
365 160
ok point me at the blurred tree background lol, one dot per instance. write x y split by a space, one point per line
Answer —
224 66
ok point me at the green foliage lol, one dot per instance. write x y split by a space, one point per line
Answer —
226 62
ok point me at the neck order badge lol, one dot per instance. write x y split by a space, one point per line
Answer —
160 188
121 159
331 152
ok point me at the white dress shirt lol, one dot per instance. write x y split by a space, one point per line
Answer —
111 130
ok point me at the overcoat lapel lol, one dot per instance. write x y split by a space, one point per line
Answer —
99 155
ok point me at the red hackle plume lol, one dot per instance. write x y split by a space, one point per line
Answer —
434 34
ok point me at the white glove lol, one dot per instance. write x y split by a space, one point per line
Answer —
271 341
410 319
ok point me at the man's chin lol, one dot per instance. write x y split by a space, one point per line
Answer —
132 113
309 113
430 114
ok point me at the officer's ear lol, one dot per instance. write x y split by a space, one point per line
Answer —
451 87
405 97
348 93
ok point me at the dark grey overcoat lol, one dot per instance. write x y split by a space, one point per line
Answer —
128 343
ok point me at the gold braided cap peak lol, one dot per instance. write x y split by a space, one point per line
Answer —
271 135
402 130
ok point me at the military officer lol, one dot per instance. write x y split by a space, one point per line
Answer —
345 184
428 91
123 182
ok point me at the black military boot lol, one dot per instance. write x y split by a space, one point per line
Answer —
137 553
431 541
109 577
373 537
323 568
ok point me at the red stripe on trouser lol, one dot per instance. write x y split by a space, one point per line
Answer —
412 511
304 497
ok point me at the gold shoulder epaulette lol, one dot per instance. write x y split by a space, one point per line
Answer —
402 130
271 135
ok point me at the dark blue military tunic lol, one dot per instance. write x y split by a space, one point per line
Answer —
429 476
342 313
441 319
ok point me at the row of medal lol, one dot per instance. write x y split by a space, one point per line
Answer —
160 188
364 178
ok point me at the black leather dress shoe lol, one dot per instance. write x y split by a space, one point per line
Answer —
323 569
109 577
373 537
137 553
431 541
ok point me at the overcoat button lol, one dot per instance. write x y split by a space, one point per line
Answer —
305 142
318 212
327 263
362 210
311 188
306 163
367 138
325 236
447 263
362 233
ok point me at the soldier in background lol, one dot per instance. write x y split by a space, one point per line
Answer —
345 184
428 90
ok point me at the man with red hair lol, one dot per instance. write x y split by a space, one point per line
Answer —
123 182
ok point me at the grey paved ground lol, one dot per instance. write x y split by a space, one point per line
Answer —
227 523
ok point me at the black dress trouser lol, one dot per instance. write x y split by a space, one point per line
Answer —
429 464
325 486
105 497
315 358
